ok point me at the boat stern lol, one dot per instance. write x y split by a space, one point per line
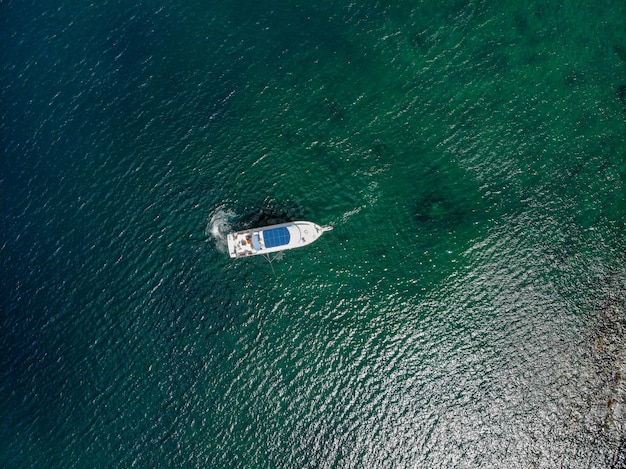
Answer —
232 248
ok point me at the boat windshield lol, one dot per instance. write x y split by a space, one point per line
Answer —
276 237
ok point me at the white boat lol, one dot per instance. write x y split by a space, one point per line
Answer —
274 238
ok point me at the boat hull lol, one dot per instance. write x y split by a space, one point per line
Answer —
273 238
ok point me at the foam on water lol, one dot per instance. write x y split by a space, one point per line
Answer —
218 227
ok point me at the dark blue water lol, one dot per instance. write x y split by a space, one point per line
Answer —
467 310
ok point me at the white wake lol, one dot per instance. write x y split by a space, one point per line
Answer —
218 226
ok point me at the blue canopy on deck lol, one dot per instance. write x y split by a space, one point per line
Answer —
276 237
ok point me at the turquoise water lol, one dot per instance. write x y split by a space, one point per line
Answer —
467 310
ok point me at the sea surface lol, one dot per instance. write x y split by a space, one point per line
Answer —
467 311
